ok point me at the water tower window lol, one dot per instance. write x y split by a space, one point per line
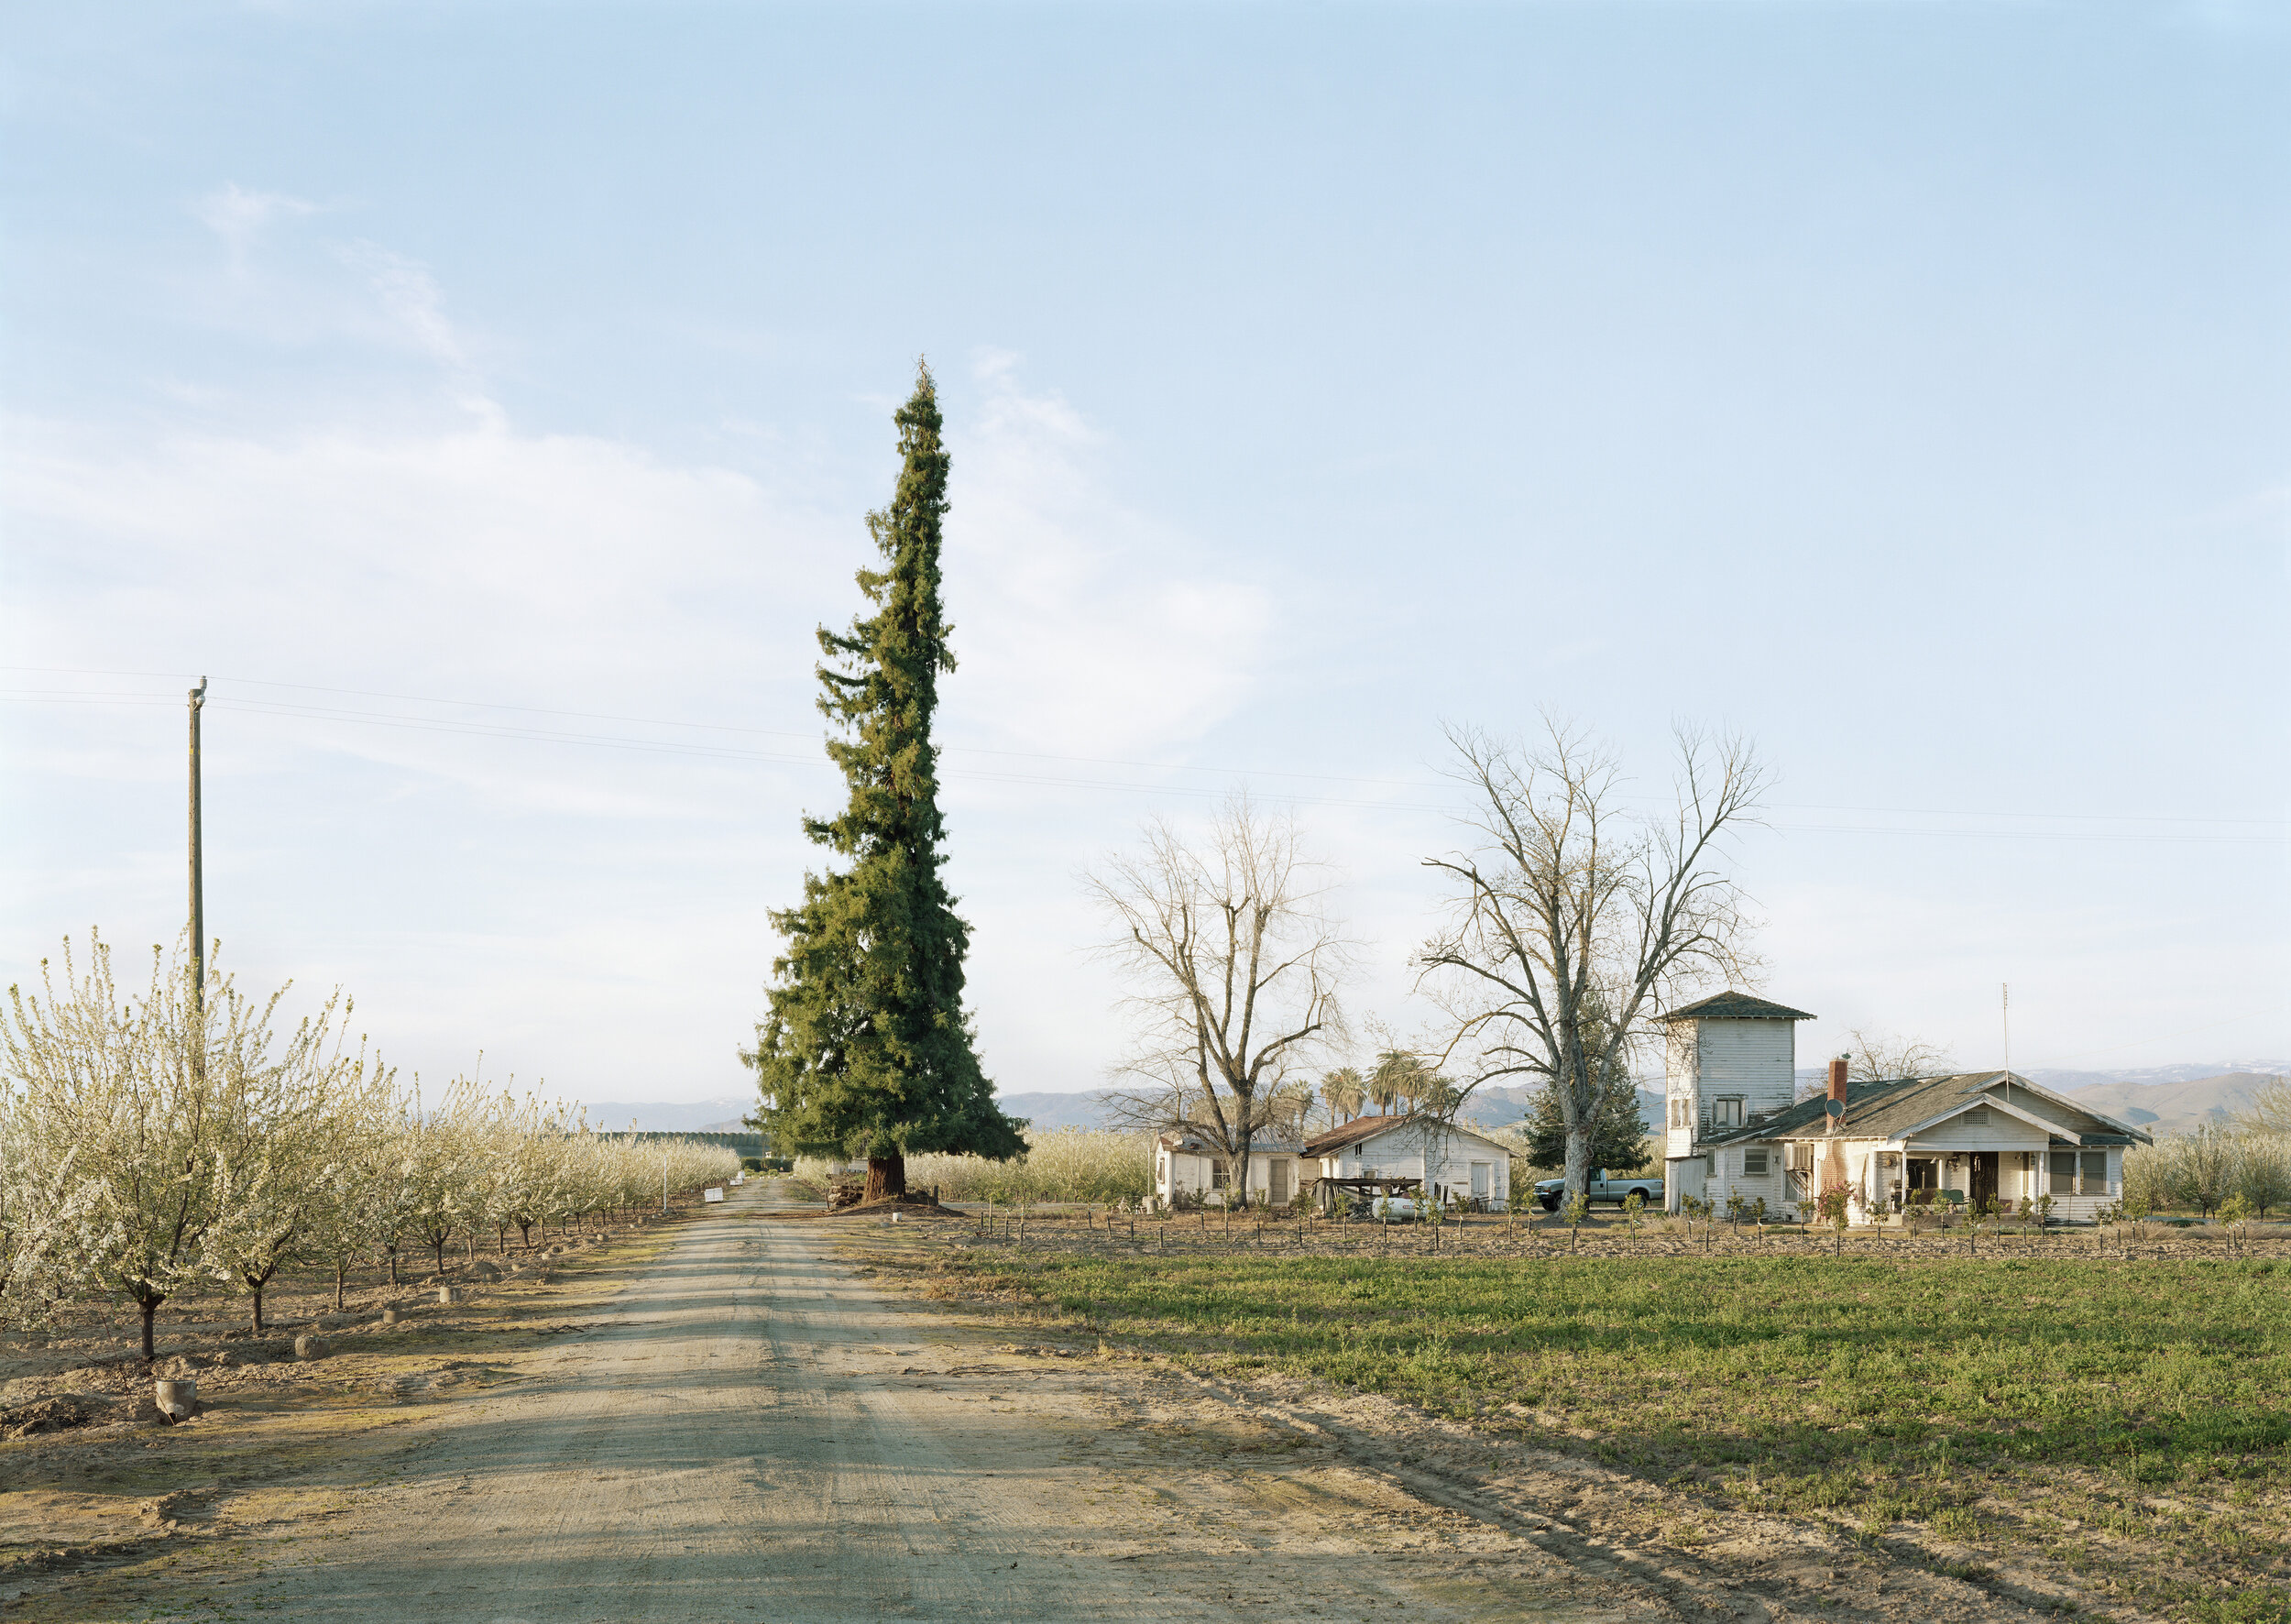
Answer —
1726 1114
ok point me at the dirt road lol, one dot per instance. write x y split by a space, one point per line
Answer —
753 1429
754 1433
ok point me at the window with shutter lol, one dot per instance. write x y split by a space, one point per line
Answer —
1754 1164
2096 1172
2064 1173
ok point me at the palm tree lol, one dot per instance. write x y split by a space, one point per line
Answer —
1286 1112
1343 1093
1398 1076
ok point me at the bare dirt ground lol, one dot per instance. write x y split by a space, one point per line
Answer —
726 1419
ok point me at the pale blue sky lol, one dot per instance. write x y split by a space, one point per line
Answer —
1902 384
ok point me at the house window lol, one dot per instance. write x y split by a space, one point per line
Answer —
2096 1172
1726 1114
1754 1164
1218 1175
1682 1114
2063 1173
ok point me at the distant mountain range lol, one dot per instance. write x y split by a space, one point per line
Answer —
2069 1082
2159 1099
652 1116
2161 1108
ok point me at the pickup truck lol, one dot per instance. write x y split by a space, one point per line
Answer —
1619 1188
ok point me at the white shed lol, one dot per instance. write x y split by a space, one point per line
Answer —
1186 1162
1454 1163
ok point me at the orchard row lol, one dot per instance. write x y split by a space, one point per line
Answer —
155 1144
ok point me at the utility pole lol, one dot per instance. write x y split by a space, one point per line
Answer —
198 886
2004 1014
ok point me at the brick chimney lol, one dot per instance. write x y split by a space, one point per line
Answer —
1834 1174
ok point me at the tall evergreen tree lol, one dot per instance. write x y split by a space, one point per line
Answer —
865 1050
1618 1136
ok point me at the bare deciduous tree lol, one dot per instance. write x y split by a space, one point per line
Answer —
1236 966
1578 922
1881 1056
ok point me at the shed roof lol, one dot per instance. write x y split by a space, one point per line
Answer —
1352 1132
1888 1108
1188 1140
1735 1006
1367 1127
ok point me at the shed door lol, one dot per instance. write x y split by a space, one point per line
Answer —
1276 1176
1480 1171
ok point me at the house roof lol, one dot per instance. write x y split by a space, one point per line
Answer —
1735 1006
1367 1127
1890 1108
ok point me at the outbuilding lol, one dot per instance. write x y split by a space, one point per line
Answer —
1452 1163
1188 1163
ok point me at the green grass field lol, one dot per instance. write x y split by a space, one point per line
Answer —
2134 1420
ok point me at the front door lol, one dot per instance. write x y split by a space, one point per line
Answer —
1984 1189
1277 1182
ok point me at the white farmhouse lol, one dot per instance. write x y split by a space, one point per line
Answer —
1733 1129
1455 1163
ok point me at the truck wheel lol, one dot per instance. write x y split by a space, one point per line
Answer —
1551 1203
1642 1195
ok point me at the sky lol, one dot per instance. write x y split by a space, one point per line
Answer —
487 398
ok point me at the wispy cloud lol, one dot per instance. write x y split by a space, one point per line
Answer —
1085 626
239 216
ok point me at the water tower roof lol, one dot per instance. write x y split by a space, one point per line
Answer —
1735 1006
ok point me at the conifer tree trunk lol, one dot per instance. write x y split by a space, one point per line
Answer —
886 1177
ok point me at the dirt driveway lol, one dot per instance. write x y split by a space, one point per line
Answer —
753 1430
